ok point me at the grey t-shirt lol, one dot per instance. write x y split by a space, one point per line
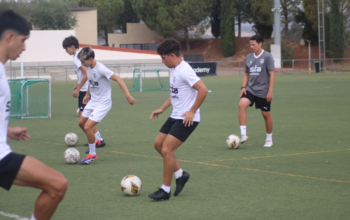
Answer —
258 69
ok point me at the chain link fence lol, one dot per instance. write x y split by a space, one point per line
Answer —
65 72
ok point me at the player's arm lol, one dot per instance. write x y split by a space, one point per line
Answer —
87 96
122 85
82 82
202 93
155 114
244 84
17 133
272 84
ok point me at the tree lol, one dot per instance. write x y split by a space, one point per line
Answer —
310 9
215 18
108 12
242 13
172 18
227 28
289 10
336 30
128 16
308 32
52 14
262 17
20 7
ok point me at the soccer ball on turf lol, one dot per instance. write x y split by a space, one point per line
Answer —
71 139
71 155
131 185
233 141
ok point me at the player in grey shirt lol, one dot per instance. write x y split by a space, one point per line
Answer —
257 87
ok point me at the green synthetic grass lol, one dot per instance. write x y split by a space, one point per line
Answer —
305 175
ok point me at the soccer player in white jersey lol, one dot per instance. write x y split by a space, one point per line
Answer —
15 168
258 83
100 90
187 93
71 45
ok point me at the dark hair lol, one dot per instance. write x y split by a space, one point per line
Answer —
9 20
169 46
86 53
259 39
70 41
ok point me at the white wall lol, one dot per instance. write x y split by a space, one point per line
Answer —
46 46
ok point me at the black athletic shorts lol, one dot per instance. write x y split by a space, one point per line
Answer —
80 100
9 167
260 103
177 129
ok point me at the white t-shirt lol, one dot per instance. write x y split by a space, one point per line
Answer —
77 65
100 85
182 95
5 104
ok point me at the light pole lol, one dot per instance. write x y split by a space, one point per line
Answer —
309 47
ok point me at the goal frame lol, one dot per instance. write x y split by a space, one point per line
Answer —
142 72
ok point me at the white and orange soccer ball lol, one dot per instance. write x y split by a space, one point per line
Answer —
71 139
71 155
233 141
131 185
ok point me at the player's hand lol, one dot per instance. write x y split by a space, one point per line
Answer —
17 133
155 114
75 93
243 91
269 97
188 120
130 99
86 99
75 87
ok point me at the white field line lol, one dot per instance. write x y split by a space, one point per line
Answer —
10 215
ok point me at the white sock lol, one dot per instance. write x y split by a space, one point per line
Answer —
165 188
243 129
268 137
33 218
178 173
92 149
98 136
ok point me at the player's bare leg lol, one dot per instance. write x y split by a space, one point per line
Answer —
170 164
242 117
158 143
88 129
166 146
269 127
53 184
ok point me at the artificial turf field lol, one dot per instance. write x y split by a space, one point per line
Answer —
305 175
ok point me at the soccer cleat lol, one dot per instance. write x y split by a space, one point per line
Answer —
268 143
88 159
159 195
244 138
98 144
180 183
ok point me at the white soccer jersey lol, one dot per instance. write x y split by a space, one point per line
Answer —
5 103
77 65
100 85
182 94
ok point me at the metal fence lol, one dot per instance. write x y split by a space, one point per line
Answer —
67 73
314 65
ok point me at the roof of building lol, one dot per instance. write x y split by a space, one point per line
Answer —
84 9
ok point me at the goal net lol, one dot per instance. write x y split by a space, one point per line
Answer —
150 79
30 98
